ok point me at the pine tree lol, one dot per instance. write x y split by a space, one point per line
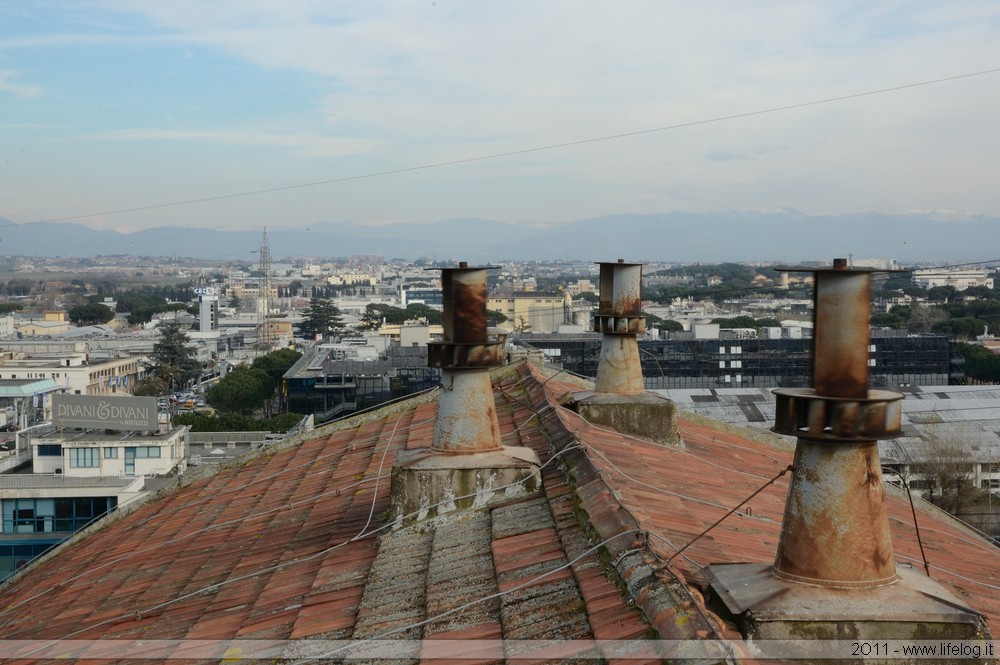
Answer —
321 317
174 359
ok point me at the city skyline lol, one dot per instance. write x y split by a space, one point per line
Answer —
108 106
786 236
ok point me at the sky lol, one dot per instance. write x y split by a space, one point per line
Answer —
400 109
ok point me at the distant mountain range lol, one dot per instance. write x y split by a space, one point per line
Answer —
783 235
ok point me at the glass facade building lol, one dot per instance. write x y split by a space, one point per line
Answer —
342 387
32 526
895 360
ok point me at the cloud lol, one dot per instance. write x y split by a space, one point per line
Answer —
22 91
303 144
384 86
723 156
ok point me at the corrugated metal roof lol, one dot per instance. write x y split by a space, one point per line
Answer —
968 414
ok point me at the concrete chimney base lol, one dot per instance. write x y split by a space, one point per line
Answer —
426 484
645 414
914 607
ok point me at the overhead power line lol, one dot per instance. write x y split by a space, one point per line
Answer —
513 153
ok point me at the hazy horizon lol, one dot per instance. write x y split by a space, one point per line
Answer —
788 236
527 113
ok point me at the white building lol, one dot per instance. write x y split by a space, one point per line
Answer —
353 279
581 286
107 436
877 264
100 457
95 454
208 309
77 373
959 279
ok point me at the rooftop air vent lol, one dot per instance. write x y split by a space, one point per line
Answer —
466 464
834 575
620 399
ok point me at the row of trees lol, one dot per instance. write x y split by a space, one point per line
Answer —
21 287
74 291
981 364
143 304
91 314
244 391
322 317
955 320
961 314
375 314
140 306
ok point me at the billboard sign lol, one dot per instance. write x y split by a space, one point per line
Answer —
94 412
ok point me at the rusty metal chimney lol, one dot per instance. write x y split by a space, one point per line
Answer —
835 530
620 399
834 575
467 418
619 317
466 464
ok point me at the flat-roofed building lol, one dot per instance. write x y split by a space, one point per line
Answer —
532 311
712 358
77 373
86 453
959 279
98 453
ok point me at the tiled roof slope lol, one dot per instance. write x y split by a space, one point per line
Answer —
288 546
675 494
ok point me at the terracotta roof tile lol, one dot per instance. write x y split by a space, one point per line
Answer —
208 539
675 493
333 618
491 651
274 548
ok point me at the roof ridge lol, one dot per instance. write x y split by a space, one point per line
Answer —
670 605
